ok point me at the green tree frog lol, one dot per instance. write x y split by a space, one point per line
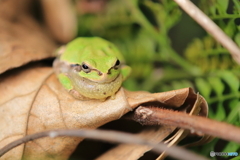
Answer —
91 68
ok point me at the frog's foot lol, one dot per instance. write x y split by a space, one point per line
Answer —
113 96
77 95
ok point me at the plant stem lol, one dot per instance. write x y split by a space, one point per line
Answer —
227 16
223 98
210 27
110 136
198 124
163 40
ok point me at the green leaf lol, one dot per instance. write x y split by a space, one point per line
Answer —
223 4
234 115
237 38
231 147
166 88
229 29
220 114
187 83
217 85
237 5
181 84
231 80
235 158
234 103
207 148
203 87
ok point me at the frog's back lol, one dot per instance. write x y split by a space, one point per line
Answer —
82 47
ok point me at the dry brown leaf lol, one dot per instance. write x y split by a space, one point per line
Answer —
199 107
10 10
33 100
192 103
131 151
22 41
60 19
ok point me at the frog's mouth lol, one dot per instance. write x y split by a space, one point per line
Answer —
97 76
96 90
104 78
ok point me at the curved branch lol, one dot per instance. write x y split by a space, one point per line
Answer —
110 136
203 20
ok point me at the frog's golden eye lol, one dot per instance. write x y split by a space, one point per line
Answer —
85 68
117 64
76 67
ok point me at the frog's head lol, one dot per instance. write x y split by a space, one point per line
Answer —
101 70
94 59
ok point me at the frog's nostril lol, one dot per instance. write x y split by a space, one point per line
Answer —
99 73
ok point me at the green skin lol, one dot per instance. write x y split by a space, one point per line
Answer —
91 68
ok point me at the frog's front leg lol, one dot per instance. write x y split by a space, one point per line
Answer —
65 81
67 84
77 95
113 96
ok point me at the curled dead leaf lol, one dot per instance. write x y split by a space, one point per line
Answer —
10 10
60 19
18 39
184 100
35 101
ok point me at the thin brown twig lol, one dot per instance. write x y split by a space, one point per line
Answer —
158 116
110 136
203 20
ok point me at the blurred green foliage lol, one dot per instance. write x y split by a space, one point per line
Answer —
140 28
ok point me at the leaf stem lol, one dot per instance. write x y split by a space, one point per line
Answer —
222 98
227 16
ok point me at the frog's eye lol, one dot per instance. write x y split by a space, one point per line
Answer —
117 64
85 68
76 67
